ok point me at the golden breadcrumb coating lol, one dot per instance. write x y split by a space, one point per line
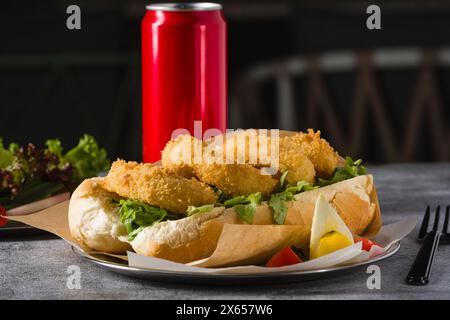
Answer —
249 146
236 179
303 155
318 150
157 186
178 155
299 167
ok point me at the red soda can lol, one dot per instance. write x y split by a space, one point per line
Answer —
184 72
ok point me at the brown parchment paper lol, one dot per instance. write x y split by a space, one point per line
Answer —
243 244
55 221
239 244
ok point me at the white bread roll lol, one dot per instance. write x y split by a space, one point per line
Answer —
194 238
94 220
183 240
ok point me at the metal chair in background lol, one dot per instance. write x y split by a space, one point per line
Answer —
425 106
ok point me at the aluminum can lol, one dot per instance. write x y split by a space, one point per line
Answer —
184 72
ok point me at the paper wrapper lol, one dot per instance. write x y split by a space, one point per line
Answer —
388 235
241 244
55 221
233 246
238 245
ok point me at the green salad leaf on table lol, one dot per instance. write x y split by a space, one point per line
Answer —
28 173
6 156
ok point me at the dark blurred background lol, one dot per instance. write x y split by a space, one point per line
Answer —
382 95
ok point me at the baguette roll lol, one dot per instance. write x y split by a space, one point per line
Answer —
94 218
183 240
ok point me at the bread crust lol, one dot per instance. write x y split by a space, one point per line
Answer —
194 238
184 240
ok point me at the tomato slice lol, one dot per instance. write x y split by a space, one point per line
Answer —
367 244
284 257
3 221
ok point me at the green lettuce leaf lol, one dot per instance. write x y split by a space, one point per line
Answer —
235 201
279 208
245 206
301 186
286 193
136 215
277 200
54 146
247 211
191 210
87 158
280 186
13 147
6 156
350 170
22 167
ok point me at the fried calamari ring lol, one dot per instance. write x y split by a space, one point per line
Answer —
298 165
236 179
303 155
250 146
318 150
178 155
157 186
210 166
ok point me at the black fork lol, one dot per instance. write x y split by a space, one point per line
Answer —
419 274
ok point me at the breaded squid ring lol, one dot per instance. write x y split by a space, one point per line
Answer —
157 186
298 165
303 155
236 179
249 146
178 155
318 150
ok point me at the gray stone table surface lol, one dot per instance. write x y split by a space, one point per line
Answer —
36 268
